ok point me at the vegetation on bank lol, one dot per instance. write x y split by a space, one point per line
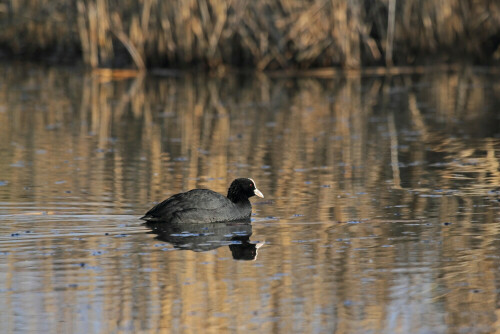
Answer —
265 34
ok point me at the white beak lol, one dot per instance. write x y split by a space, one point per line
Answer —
258 193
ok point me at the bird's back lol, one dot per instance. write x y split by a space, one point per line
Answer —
198 206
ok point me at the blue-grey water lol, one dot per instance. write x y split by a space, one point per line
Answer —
381 211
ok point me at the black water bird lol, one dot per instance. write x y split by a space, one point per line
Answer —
207 206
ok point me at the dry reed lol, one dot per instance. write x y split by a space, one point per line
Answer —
267 34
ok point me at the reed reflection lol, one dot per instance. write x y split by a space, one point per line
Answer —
383 192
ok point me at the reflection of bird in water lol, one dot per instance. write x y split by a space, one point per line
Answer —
207 206
249 250
201 237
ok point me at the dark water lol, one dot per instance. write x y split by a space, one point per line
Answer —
381 212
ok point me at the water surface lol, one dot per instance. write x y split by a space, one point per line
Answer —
381 212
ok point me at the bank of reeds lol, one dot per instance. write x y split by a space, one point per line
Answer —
266 34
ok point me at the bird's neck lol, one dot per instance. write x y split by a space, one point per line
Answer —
237 198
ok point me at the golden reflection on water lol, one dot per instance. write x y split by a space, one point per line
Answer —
380 212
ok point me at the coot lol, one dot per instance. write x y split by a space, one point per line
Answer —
207 206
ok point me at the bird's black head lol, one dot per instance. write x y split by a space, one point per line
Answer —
242 189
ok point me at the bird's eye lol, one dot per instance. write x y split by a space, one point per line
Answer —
251 185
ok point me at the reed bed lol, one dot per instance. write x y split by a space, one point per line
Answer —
266 34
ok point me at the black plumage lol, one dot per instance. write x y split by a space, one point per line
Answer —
207 206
